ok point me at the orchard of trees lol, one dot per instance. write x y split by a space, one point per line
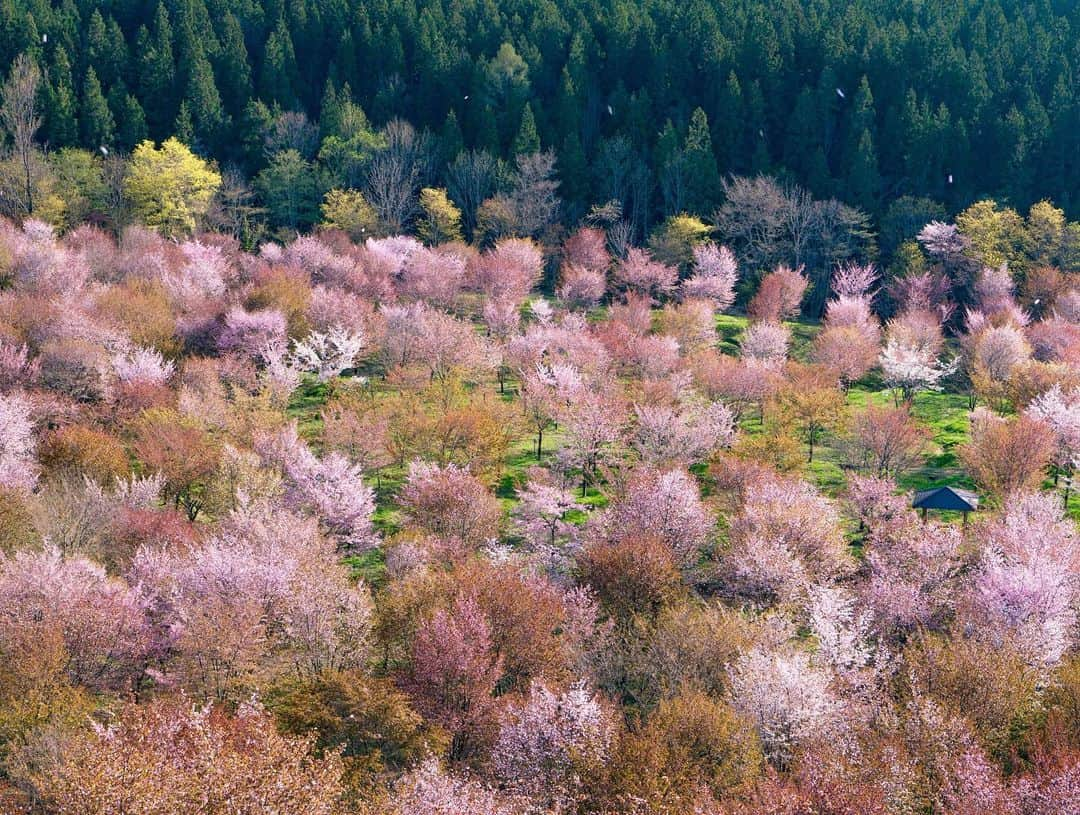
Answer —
516 409
408 525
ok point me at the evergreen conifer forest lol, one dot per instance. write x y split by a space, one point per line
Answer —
540 407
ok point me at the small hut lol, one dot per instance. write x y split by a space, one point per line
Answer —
952 498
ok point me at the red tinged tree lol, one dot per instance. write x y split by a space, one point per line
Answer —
452 676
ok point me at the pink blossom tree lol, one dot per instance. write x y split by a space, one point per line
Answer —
332 488
580 286
663 505
664 435
98 619
909 369
452 676
1060 411
587 248
541 511
789 699
327 354
593 428
639 273
1027 588
141 366
429 790
548 742
433 276
715 272
251 333
17 368
766 342
779 295
785 536
509 270
18 465
265 595
450 502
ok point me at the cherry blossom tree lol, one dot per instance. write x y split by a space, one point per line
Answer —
546 743
98 619
909 369
915 568
143 366
252 333
509 270
587 248
766 342
784 537
664 504
429 790
327 354
332 488
17 368
885 441
540 514
1060 411
266 594
854 280
452 676
450 502
639 273
715 272
1007 457
592 427
664 435
789 699
779 295
431 275
1027 585
580 286
18 467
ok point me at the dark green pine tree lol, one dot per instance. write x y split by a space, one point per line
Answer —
233 66
574 173
96 46
96 126
527 139
729 127
61 127
567 104
157 74
487 131
131 127
757 133
184 127
330 111
204 102
863 178
803 134
450 138
702 173
277 81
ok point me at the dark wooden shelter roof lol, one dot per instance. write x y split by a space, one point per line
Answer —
946 498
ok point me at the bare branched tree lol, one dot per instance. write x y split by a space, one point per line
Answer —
535 193
472 178
20 117
397 173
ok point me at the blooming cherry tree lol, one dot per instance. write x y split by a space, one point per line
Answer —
327 354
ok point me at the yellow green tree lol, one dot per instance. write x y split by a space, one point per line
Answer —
442 219
674 240
350 212
170 188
